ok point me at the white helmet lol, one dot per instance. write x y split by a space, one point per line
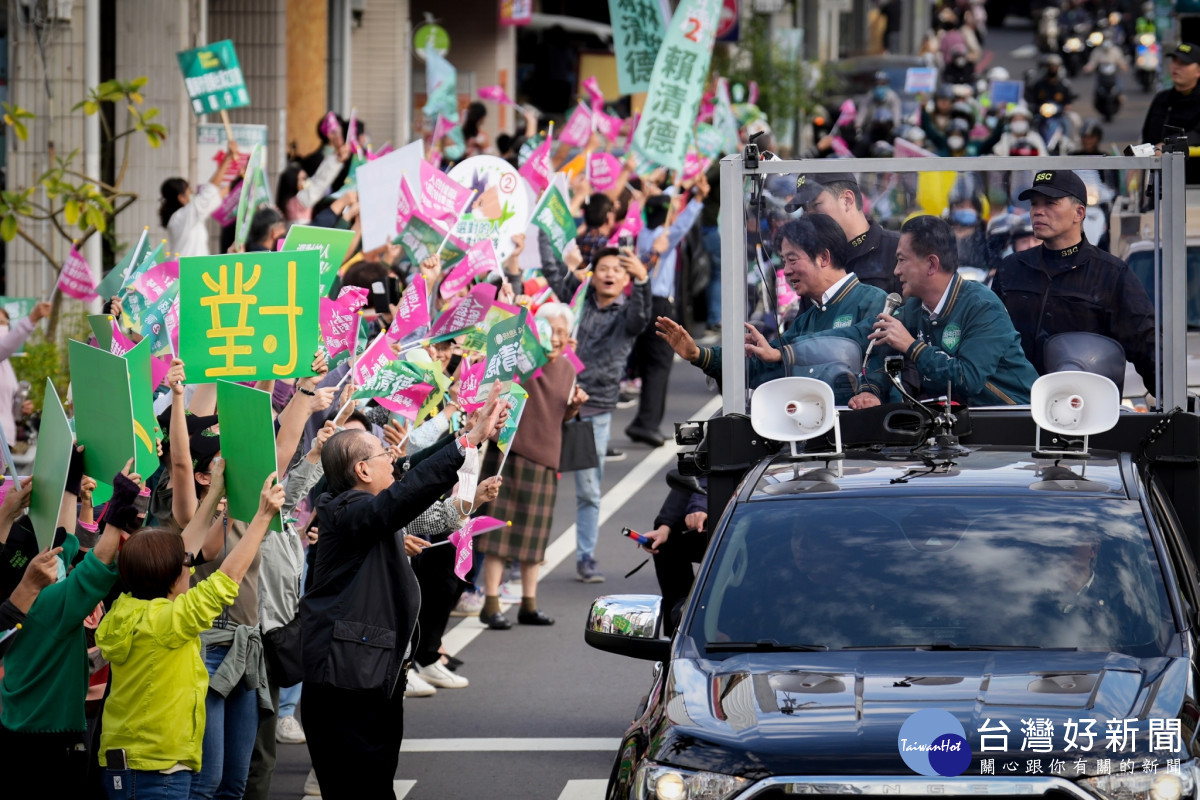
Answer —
997 74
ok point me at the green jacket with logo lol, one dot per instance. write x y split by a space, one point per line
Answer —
972 344
850 313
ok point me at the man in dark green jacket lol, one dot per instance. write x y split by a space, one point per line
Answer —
950 331
813 249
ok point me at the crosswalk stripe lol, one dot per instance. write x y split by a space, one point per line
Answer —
507 745
564 546
402 788
584 790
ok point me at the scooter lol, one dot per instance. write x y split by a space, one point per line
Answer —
1107 98
1052 126
1146 61
1048 31
1074 49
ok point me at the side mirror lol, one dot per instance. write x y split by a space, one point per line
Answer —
628 625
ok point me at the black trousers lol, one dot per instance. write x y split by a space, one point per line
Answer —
673 567
41 761
651 359
262 760
440 590
354 740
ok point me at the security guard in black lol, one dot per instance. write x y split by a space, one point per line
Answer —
1178 106
1068 285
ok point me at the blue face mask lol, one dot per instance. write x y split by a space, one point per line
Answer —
880 93
964 216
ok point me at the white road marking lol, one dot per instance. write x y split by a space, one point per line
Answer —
509 745
402 788
564 546
584 790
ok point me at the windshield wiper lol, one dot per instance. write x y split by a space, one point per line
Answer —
951 646
764 645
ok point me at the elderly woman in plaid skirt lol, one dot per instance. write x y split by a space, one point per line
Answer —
531 480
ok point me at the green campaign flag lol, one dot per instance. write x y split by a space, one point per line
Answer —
213 78
331 245
249 316
50 465
677 83
552 215
420 240
111 285
101 325
248 447
391 377
637 27
103 410
708 141
475 339
513 351
515 397
17 308
254 191
146 433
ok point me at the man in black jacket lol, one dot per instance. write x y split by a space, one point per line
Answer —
358 617
1068 285
1178 106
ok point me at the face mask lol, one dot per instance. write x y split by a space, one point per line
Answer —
955 142
1019 126
964 216
468 477
880 93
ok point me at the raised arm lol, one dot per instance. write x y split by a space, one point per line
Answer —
183 484
242 554
196 533
306 401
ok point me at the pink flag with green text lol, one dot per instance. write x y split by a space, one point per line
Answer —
463 547
76 278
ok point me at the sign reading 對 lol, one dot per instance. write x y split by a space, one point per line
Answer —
249 316
213 78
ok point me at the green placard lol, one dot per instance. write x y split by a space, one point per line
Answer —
249 316
103 410
146 432
17 308
247 445
331 244
637 35
101 325
50 465
213 78
423 35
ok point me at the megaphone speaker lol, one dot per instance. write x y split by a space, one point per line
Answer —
1075 403
792 409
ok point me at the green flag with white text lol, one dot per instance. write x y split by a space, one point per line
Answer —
552 215
677 83
331 245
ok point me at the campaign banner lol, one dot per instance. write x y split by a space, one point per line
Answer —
537 168
578 130
442 198
480 260
552 216
412 313
213 78
603 171
339 323
920 80
330 245
76 278
677 83
638 32
464 313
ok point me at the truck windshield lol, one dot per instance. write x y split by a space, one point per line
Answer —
939 573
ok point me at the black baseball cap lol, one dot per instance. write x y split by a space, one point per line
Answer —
1057 183
808 186
1186 52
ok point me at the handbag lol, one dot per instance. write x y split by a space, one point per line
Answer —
283 653
578 447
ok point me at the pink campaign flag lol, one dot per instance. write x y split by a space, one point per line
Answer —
226 213
632 224
121 344
412 314
570 355
339 320
608 125
536 168
694 164
406 402
330 125
157 281
470 380
376 355
159 367
578 130
480 260
632 127
76 279
441 197
463 547
784 290
352 132
603 169
406 206
595 95
496 94
465 313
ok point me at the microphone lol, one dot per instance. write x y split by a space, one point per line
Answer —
890 305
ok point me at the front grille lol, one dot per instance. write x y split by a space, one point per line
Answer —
916 788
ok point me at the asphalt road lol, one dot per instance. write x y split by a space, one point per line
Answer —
544 712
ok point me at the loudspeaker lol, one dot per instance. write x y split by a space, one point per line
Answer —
793 409
1075 403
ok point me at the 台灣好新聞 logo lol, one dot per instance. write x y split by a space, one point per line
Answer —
933 742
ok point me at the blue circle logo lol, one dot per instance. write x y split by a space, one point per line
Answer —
932 742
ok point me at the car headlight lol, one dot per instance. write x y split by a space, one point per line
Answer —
1073 45
661 782
1096 39
1146 786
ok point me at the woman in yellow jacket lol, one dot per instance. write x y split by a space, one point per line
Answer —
152 639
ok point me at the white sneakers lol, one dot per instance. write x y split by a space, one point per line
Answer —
289 731
416 686
438 675
311 787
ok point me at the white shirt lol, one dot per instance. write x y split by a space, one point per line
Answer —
187 231
933 313
832 291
